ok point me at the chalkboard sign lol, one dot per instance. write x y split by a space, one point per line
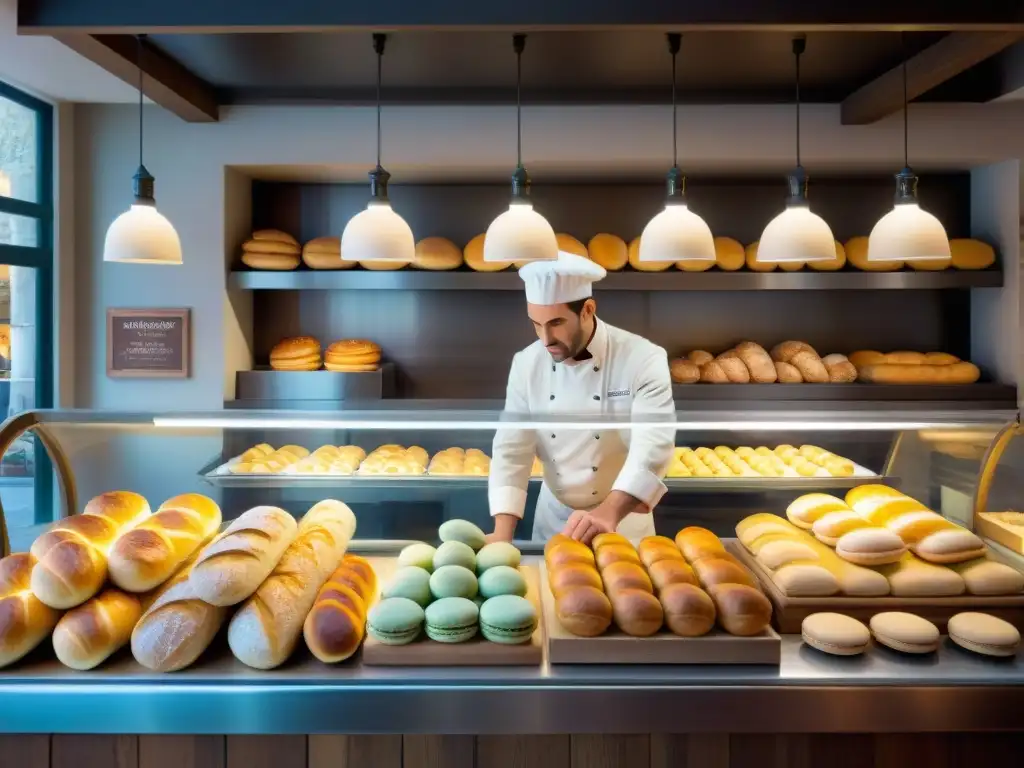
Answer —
148 343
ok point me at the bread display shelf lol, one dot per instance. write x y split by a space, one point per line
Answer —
465 279
789 612
270 385
978 395
473 653
616 647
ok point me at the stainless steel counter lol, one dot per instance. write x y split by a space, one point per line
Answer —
882 691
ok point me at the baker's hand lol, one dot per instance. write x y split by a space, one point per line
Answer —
490 538
583 525
504 528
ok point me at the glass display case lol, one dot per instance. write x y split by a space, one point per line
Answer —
406 468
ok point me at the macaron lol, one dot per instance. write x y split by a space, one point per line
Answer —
502 580
508 619
419 554
455 553
410 582
983 634
870 546
395 621
835 634
495 554
452 620
453 581
462 531
904 632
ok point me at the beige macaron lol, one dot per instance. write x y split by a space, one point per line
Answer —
953 545
870 546
835 633
983 634
905 632
830 526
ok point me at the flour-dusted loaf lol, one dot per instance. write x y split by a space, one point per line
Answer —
266 628
233 566
72 556
87 635
25 621
147 555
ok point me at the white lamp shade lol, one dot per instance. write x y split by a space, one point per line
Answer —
796 234
520 234
677 234
908 233
378 234
142 235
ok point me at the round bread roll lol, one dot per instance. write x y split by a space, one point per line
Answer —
857 254
666 572
608 251
274 235
437 253
275 261
584 611
713 570
606 539
299 353
871 546
637 613
741 610
570 244
968 253
616 553
572 576
683 371
644 266
689 610
729 254
325 253
570 551
473 255
653 549
735 370
352 352
625 575
750 255
831 265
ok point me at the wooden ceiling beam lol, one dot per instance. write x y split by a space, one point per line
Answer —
167 82
955 53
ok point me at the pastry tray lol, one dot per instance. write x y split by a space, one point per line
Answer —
789 612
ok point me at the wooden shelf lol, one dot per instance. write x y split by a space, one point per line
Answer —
628 280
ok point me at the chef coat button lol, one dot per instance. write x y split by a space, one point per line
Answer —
552 366
597 437
552 397
593 493
552 437
597 397
594 468
597 368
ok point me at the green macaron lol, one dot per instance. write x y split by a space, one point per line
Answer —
409 582
462 531
395 621
502 580
508 619
419 554
495 554
455 553
452 620
453 581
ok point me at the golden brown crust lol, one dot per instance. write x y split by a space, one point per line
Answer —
700 356
437 254
473 255
637 612
742 610
689 610
729 254
275 261
271 247
759 363
787 373
644 266
570 244
325 253
734 369
608 251
295 347
274 235
752 262
684 371
25 621
811 368
785 351
584 611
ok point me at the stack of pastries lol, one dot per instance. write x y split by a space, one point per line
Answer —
352 356
456 461
304 353
783 461
300 353
166 582
687 585
393 459
271 249
330 460
791 362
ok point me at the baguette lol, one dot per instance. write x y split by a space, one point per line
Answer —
25 621
149 554
335 626
87 635
233 566
925 373
177 627
266 628
72 556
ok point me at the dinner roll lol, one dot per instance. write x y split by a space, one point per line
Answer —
616 553
437 253
695 542
625 575
584 611
715 570
689 610
666 572
570 552
473 254
741 610
573 575
637 613
608 251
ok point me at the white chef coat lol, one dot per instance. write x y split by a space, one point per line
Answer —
627 376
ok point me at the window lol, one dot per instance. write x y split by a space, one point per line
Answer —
26 280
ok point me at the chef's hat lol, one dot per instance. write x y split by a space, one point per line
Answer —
567 278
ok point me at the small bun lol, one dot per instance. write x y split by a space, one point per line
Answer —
742 610
696 543
637 613
567 552
713 571
554 541
437 253
584 611
666 572
604 539
623 575
573 575
616 553
689 610
652 552
608 251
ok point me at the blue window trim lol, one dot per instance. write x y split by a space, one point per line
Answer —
41 259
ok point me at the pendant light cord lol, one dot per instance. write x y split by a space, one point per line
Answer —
138 66
799 45
518 44
906 112
674 39
378 47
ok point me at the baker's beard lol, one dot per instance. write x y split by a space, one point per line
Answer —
564 352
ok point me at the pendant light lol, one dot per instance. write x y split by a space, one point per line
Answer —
796 234
677 233
378 233
520 234
907 233
142 235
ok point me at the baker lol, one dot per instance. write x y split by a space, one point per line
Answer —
595 479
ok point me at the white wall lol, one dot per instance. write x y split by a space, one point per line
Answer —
189 162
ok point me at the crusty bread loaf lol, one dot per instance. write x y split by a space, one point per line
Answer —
280 262
233 566
608 251
437 254
811 367
325 253
334 628
177 626
729 254
699 357
741 610
72 556
146 556
87 635
25 621
758 362
896 373
266 628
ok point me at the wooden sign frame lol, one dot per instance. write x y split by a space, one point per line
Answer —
181 372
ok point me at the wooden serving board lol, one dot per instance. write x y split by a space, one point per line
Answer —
616 647
991 527
425 652
789 612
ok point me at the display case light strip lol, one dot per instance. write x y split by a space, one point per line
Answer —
738 425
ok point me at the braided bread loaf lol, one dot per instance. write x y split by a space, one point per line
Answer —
790 362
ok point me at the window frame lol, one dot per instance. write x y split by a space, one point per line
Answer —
41 258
